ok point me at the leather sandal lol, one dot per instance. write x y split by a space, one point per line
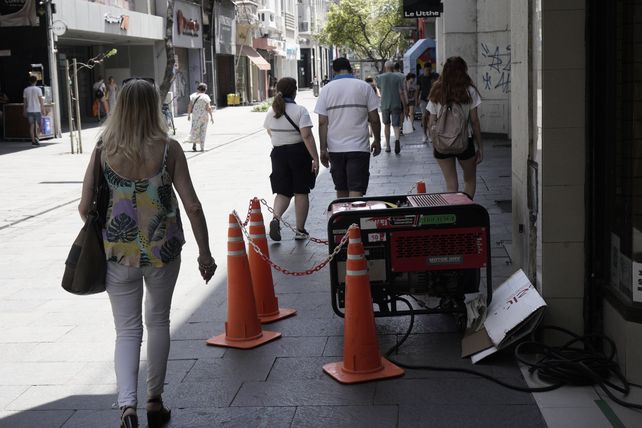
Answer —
158 418
129 420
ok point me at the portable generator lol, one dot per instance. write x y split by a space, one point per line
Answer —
430 244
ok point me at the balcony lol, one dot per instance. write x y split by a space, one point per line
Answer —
246 12
267 19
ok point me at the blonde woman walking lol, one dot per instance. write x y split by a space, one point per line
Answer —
143 238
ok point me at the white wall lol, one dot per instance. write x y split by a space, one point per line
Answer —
479 32
81 15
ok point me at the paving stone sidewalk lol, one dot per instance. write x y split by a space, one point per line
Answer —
56 350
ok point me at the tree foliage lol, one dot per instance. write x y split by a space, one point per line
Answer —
366 28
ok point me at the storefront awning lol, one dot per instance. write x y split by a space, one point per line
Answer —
415 51
255 57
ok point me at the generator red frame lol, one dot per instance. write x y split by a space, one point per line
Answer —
411 242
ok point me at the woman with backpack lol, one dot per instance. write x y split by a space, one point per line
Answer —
454 125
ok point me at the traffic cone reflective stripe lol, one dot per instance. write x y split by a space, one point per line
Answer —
362 360
267 304
242 328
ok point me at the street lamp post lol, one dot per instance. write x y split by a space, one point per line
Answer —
53 67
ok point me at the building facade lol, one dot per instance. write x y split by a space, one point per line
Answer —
562 80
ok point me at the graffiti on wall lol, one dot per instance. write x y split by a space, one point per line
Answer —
495 68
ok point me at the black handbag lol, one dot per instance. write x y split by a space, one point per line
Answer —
86 266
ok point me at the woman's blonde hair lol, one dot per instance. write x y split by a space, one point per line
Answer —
135 122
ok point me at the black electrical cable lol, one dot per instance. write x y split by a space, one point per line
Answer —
451 369
574 365
563 365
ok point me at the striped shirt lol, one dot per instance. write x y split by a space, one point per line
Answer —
346 102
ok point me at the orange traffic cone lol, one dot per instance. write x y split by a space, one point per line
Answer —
421 187
267 304
242 328
362 361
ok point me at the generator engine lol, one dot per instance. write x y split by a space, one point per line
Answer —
431 247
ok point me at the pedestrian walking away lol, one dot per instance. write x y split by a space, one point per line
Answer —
112 92
425 82
143 238
295 160
411 96
370 80
393 103
198 110
453 88
100 101
345 106
34 108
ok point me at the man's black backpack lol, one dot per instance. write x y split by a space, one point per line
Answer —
99 93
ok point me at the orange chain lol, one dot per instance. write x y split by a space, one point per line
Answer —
283 270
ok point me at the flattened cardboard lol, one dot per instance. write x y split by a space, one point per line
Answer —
515 311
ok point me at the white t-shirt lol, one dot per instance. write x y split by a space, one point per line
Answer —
283 133
32 95
347 101
434 108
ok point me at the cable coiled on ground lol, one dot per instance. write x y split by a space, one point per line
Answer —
576 362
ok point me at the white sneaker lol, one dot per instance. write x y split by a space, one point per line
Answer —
301 235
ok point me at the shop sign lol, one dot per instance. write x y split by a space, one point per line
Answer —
422 8
292 52
188 28
18 13
121 20
223 28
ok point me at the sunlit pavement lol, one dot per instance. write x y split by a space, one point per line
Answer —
56 349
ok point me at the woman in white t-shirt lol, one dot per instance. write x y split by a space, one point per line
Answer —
455 86
295 160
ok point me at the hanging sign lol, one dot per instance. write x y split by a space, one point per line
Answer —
422 8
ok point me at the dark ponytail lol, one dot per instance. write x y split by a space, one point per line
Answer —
285 87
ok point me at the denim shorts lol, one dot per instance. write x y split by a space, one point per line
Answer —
391 117
34 117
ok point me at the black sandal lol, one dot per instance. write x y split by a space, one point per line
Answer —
158 418
130 420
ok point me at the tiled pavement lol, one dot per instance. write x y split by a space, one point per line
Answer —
56 350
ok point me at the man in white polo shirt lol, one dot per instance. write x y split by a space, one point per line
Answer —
345 106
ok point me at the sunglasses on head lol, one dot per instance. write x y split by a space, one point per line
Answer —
146 79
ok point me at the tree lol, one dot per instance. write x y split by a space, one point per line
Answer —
169 52
366 28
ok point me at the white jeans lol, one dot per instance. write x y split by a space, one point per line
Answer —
125 288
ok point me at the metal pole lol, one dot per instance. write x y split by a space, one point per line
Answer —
69 108
77 97
53 73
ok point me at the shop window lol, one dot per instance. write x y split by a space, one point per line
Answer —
617 153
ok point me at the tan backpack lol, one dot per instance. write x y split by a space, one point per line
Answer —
449 133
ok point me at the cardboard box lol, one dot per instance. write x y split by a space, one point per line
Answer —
515 311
